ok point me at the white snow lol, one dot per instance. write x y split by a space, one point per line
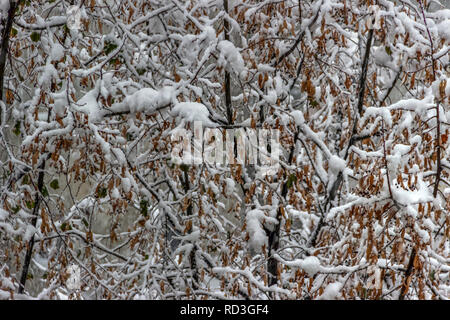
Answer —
311 265
230 56
115 194
298 117
192 111
60 102
444 29
4 6
255 222
271 97
331 292
29 232
381 57
336 164
84 55
48 73
208 34
383 112
3 214
126 184
406 197
57 52
147 99
230 185
89 105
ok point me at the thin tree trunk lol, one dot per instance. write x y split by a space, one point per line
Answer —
409 270
28 255
359 106
274 236
5 43
193 253
228 105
